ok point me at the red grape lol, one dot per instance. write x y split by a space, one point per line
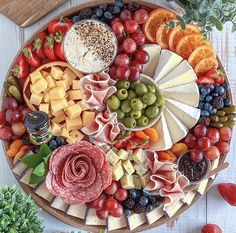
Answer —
225 134
203 143
112 188
102 214
136 64
200 130
122 72
134 74
190 140
120 39
129 45
141 56
114 20
111 204
131 26
214 135
2 118
23 113
122 59
196 155
141 16
10 103
97 203
121 194
18 128
126 15
5 133
12 115
212 153
139 38
112 72
118 212
118 27
223 147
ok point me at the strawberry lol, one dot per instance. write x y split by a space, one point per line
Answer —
30 56
211 228
38 44
136 142
205 80
217 75
49 48
228 192
120 144
58 49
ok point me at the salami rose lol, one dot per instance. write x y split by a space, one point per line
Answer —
78 173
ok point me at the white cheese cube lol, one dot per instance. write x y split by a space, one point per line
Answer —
127 181
117 171
128 166
112 157
137 155
145 179
140 170
137 182
123 154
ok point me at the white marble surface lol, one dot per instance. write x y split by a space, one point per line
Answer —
211 208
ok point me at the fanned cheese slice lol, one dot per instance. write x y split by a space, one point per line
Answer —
187 94
189 197
172 209
19 168
136 220
92 219
43 192
180 75
187 114
167 62
202 186
25 177
164 142
116 223
155 214
214 165
154 51
176 128
59 204
78 211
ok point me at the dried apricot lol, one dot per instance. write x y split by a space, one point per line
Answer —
179 148
152 133
18 156
141 134
206 64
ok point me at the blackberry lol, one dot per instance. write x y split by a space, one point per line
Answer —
128 204
138 209
85 13
218 102
225 95
133 6
160 198
26 139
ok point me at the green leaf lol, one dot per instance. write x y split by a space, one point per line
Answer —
36 179
44 150
46 159
182 22
40 169
32 160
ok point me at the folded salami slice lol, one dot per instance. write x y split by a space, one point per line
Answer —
78 173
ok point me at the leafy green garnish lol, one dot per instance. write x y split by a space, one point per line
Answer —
32 160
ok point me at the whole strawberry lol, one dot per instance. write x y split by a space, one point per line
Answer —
228 192
211 228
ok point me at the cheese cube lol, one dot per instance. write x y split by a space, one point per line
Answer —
112 157
73 111
58 104
128 166
51 81
57 93
56 72
70 140
117 171
70 73
71 102
83 105
145 179
46 98
77 135
75 95
56 129
58 113
44 73
123 154
68 80
127 181
73 124
140 170
44 107
75 84
88 118
39 86
36 99
64 84
59 119
65 133
137 155
35 76
137 182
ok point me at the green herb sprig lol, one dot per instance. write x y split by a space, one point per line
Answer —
18 213
39 163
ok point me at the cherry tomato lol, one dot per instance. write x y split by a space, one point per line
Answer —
112 188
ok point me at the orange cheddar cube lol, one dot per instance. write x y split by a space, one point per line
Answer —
77 135
57 93
44 107
36 99
58 104
73 111
39 86
76 85
70 73
35 76
75 95
88 118
73 124
56 72
56 129
51 81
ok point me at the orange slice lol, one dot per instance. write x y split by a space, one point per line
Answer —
177 33
199 53
190 42
206 64
155 19
162 36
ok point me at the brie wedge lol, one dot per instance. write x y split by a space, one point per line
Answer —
154 51
155 214
116 223
19 168
59 204
187 94
187 114
180 75
176 128
167 62
43 192
164 142
136 220
78 211
92 219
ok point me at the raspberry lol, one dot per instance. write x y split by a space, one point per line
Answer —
129 203
133 6
218 102
205 121
138 209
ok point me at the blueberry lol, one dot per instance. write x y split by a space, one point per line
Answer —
108 15
226 86
143 200
205 113
127 212
99 12
213 111
208 98
207 106
94 16
76 19
149 207
201 105
152 200
202 97
53 144
60 141
220 90
116 10
103 6
133 194
212 87
215 94
119 3
204 91
227 102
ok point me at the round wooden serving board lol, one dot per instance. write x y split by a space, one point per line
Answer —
76 222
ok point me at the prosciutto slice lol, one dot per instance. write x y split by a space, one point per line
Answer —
165 179
97 88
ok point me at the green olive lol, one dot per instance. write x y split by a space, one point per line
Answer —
120 114
135 114
159 99
141 89
133 84
125 106
144 106
142 121
131 94
122 94
123 84
127 114
130 122
152 111
214 118
149 98
151 88
113 102
136 104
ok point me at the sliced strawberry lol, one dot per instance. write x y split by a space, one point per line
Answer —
217 75
205 80
211 228
228 192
